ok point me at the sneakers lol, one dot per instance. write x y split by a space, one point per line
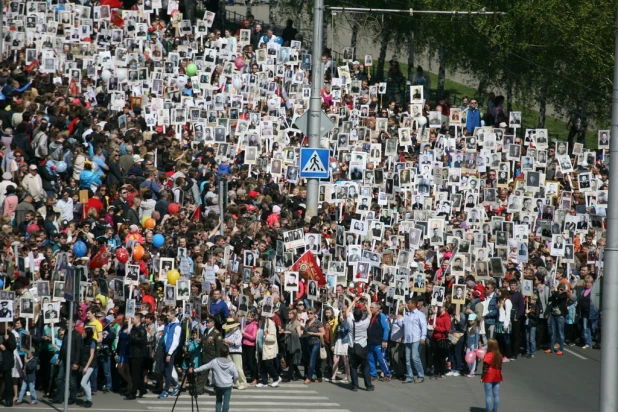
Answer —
276 383
470 375
505 360
420 380
242 388
548 351
260 385
87 404
163 395
175 391
453 373
559 352
586 347
408 381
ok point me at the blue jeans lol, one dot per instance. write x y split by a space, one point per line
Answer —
223 398
471 366
455 355
413 358
588 327
314 358
105 363
30 387
530 340
85 383
375 355
168 373
93 377
557 332
492 390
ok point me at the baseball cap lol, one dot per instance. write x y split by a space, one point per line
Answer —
32 167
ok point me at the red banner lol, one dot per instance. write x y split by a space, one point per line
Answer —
309 269
100 259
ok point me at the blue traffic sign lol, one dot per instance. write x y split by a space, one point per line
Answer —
314 163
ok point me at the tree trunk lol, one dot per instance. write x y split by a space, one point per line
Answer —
411 55
441 71
543 104
272 4
297 18
509 96
248 5
382 58
354 40
481 92
221 13
324 34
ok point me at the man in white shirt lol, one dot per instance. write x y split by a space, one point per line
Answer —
33 184
414 325
66 206
6 182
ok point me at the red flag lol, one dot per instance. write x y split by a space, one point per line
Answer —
309 268
100 259
117 19
31 66
197 215
113 4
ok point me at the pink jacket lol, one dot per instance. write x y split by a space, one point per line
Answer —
250 334
10 204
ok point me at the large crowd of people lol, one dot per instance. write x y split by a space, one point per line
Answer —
441 228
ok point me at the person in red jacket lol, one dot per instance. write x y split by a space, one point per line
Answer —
492 375
440 336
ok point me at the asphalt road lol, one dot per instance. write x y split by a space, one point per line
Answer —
548 383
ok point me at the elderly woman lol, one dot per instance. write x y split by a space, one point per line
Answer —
233 338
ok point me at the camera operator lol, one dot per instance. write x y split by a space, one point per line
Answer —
224 375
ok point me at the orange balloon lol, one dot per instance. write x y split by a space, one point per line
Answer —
150 223
138 252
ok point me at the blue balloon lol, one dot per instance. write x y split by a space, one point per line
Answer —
61 167
1 283
158 240
80 249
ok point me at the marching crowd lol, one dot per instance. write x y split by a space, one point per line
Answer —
447 240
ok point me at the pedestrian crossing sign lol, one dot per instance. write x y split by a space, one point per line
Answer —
314 163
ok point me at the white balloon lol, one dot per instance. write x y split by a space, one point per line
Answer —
106 75
121 72
237 83
422 121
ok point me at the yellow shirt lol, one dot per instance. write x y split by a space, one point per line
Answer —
98 329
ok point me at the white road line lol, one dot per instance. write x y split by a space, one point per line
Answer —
575 354
234 397
236 392
253 403
234 409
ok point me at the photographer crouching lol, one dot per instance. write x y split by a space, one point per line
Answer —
225 375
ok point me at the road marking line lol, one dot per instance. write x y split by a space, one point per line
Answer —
250 403
575 354
154 408
204 398
241 393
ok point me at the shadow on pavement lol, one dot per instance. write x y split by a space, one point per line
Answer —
477 409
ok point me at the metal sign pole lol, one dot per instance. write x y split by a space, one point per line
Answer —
223 188
67 360
315 104
609 350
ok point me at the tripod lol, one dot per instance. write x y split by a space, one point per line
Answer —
192 390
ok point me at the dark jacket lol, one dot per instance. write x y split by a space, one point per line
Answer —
7 359
23 143
114 174
77 347
211 345
559 300
30 369
138 340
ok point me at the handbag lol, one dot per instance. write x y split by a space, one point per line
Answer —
454 337
323 354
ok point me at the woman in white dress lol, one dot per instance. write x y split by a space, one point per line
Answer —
340 347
